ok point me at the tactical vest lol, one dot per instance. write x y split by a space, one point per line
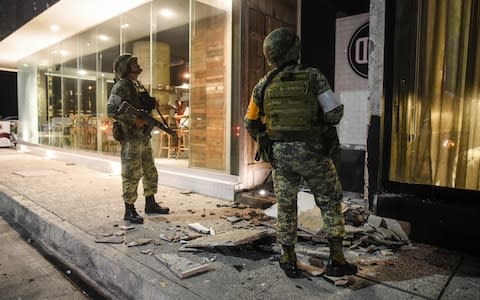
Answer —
291 107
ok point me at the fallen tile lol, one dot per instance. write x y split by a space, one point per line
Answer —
125 227
109 240
143 241
397 228
337 281
147 251
199 228
303 263
234 219
181 266
229 238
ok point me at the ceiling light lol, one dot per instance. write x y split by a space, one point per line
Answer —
103 37
54 28
124 26
166 12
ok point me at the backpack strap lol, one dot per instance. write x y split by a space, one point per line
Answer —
269 79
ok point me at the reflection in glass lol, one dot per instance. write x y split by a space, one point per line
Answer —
435 136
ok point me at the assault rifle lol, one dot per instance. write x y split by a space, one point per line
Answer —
127 108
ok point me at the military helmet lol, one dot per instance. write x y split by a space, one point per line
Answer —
120 65
280 46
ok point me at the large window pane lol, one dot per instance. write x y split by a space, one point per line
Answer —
184 49
435 139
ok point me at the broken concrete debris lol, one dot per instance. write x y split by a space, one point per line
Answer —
139 242
337 281
126 227
182 266
230 238
367 234
109 240
199 228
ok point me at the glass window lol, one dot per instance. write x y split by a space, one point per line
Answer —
436 108
183 47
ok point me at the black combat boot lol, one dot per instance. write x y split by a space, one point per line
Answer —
337 265
151 207
288 262
131 214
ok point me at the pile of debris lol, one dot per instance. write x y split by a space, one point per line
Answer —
243 225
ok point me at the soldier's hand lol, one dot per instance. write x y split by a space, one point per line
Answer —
139 122
264 147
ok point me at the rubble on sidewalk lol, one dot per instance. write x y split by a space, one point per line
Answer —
369 238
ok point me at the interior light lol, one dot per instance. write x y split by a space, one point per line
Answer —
54 28
82 72
124 26
262 192
186 75
166 13
103 37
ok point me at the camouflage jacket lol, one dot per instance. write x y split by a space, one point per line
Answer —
126 90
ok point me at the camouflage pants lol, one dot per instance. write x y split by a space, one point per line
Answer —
293 161
138 163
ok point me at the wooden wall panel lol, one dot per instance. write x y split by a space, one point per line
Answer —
261 18
208 98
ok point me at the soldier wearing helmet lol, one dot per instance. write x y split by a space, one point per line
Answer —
291 115
136 153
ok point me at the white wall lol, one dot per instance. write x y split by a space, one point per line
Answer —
351 87
27 103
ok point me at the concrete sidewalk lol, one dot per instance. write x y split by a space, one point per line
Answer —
67 207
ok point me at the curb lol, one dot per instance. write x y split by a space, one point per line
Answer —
109 272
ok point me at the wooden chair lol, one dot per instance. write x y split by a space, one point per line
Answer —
167 142
183 140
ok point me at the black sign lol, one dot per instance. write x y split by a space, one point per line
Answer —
358 51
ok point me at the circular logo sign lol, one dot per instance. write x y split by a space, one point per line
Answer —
358 51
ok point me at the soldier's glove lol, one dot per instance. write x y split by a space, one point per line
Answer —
264 150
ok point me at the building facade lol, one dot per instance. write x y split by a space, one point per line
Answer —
407 72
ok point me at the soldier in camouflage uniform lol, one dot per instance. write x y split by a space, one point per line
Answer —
136 153
291 115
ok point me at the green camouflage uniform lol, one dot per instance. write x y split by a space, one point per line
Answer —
136 153
309 158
